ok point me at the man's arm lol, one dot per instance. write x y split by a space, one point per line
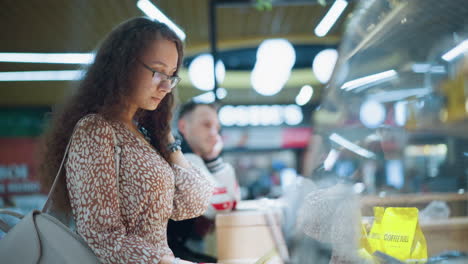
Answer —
226 192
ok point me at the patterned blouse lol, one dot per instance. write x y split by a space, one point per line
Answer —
123 218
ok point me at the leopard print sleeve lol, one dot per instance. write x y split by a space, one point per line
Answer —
93 191
192 193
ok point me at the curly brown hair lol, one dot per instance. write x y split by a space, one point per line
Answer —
104 89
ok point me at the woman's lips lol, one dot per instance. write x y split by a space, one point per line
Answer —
156 99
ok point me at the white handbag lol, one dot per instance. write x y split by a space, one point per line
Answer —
41 238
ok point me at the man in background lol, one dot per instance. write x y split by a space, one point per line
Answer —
202 145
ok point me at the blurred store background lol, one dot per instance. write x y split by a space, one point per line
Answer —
388 116
257 43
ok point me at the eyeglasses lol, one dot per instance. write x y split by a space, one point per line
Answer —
159 77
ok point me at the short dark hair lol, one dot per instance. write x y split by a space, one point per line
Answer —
190 106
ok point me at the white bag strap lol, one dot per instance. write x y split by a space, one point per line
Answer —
56 179
117 166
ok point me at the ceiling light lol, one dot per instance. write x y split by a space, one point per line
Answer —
275 59
324 63
397 95
227 115
330 18
264 115
221 93
293 115
201 72
59 58
400 113
304 95
153 12
279 51
331 159
425 68
242 111
204 98
255 115
372 114
457 51
267 83
273 115
41 76
351 146
378 77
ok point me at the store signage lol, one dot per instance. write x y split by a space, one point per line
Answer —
260 115
266 138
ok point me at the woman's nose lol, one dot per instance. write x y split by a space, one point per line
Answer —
165 86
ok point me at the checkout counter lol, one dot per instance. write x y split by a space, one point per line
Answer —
255 233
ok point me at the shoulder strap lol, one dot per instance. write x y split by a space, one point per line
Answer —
57 176
65 155
116 157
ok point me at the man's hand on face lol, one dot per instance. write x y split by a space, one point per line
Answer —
214 150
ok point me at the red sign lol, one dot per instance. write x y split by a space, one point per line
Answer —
296 137
18 166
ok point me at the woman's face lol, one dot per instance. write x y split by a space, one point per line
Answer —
161 56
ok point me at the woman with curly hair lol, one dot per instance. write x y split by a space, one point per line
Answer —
122 200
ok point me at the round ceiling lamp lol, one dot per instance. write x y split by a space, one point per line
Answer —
275 59
323 64
201 72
